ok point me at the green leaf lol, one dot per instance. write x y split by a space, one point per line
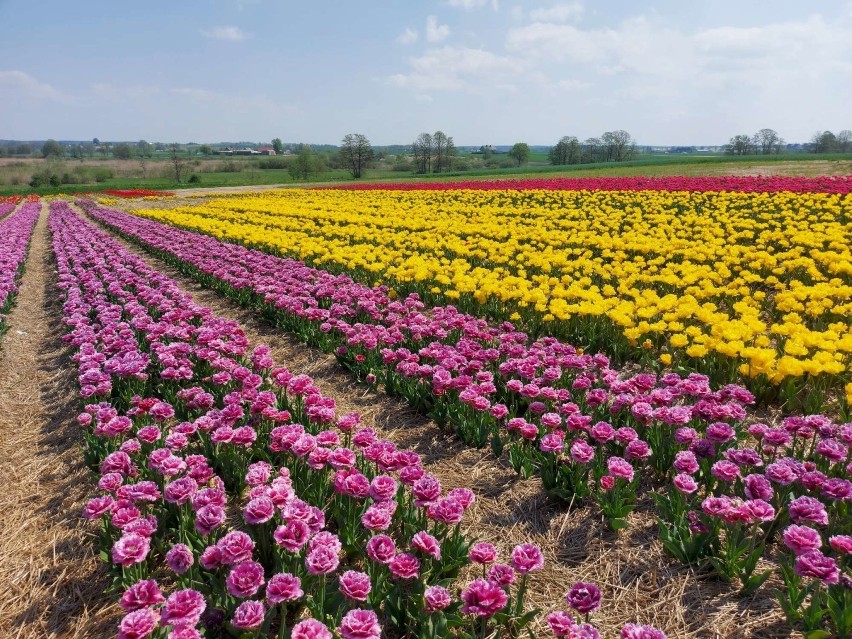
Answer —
496 446
817 634
617 523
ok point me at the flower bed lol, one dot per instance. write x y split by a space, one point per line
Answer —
15 233
750 288
723 491
337 530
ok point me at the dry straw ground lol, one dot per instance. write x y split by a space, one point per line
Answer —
51 579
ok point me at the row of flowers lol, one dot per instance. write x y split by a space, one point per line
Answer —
15 233
724 492
132 193
8 204
747 184
237 483
738 286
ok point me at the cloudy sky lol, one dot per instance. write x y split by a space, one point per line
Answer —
483 71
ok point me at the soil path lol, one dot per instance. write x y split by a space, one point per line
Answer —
51 582
639 582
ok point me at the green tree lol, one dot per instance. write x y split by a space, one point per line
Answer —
144 149
825 142
520 153
304 165
52 148
566 151
277 146
205 149
356 153
122 151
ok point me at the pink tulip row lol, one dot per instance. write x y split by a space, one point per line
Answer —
15 233
6 208
756 184
208 419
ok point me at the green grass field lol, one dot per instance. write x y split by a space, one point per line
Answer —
250 175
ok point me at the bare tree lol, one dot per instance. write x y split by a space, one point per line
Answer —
767 141
422 149
619 145
739 145
444 148
844 141
592 150
356 153
179 162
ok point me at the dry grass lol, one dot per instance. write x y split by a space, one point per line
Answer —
52 581
639 582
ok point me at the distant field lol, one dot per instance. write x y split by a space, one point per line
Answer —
98 175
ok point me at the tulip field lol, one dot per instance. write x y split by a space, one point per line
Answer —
670 353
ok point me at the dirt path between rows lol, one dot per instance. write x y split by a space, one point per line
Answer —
638 581
51 582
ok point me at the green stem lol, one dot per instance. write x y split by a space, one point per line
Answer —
282 631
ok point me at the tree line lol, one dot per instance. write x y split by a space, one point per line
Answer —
768 142
429 153
612 146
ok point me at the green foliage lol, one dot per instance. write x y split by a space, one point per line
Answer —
103 173
229 166
273 162
52 148
144 149
122 151
278 145
305 164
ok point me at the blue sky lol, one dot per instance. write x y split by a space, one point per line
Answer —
483 71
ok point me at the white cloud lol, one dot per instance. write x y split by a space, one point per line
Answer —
233 103
18 84
117 93
473 4
231 34
436 32
456 68
194 93
567 12
409 36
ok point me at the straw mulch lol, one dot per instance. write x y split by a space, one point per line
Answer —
639 582
51 582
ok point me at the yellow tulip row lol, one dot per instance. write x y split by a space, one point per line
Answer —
755 285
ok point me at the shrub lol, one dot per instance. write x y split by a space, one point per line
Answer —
273 162
102 174
228 166
38 179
